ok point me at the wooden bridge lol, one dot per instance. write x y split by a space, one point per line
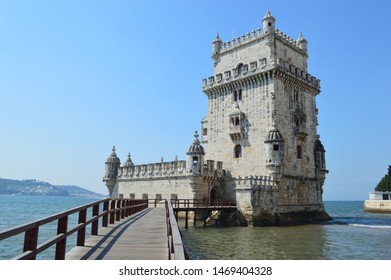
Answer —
130 229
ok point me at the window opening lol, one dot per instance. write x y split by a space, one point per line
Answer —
238 151
299 152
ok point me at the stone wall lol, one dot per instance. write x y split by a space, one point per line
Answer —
378 206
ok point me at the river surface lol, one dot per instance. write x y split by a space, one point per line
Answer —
352 235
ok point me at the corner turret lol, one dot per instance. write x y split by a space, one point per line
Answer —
274 152
320 160
302 43
269 23
216 48
111 170
195 157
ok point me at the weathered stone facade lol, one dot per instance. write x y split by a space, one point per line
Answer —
261 124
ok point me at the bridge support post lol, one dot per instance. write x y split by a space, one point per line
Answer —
195 218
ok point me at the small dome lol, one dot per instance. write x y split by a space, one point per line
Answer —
217 39
128 162
268 15
196 147
113 157
274 135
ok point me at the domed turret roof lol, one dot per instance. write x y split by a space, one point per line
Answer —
128 162
319 146
274 135
268 15
113 157
196 147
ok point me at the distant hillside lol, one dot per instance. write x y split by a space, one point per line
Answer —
35 187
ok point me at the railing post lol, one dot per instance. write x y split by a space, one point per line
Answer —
94 225
81 233
112 214
61 246
127 204
105 216
118 211
123 209
31 241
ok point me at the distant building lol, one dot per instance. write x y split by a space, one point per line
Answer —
378 202
261 125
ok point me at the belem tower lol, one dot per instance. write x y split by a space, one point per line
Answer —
258 143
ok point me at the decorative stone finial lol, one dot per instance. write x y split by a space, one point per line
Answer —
301 38
129 162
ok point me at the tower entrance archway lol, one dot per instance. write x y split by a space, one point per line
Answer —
215 194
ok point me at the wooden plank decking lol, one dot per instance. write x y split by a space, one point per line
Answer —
142 236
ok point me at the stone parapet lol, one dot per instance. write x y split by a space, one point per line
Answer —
153 170
168 169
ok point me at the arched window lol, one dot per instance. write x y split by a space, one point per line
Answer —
299 152
238 151
240 68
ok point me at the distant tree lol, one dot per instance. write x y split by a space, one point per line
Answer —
385 183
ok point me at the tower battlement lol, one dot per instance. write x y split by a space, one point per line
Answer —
161 169
256 36
256 71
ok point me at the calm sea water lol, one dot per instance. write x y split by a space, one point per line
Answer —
352 235
18 210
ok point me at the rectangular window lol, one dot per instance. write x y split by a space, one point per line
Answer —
132 196
276 148
158 197
145 196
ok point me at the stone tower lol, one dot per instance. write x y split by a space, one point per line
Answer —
262 124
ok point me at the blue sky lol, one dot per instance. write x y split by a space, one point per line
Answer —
77 77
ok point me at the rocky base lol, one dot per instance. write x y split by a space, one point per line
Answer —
230 218
290 219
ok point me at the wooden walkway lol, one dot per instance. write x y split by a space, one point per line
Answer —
142 236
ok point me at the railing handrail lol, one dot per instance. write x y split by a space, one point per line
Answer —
119 209
22 228
175 243
194 203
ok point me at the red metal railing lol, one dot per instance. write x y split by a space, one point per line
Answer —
108 210
175 243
